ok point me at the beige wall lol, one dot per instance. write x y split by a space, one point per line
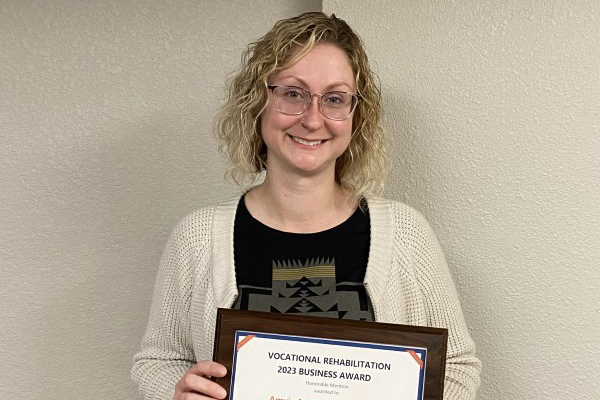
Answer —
493 111
105 115
105 119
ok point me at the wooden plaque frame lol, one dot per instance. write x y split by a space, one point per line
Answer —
433 339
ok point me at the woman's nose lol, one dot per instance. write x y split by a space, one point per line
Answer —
312 118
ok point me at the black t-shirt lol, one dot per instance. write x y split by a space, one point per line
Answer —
318 274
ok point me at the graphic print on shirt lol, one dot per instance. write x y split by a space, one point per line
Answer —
307 288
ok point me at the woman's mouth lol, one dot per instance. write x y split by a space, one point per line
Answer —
306 142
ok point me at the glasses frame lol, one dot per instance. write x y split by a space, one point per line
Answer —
356 98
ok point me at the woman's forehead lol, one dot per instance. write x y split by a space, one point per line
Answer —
323 65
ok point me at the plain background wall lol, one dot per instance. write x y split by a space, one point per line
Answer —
105 117
493 111
105 143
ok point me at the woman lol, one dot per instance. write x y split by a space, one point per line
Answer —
305 111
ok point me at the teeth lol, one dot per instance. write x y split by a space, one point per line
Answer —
306 142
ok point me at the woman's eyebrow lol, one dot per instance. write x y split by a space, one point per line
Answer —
305 85
301 81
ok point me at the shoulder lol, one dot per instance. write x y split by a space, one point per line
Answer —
403 216
198 225
407 227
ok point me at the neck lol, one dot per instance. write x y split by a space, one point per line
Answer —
299 204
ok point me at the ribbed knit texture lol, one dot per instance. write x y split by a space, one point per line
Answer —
407 279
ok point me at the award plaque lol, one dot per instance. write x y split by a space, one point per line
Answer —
295 357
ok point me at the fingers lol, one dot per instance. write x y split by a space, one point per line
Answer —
209 368
195 385
199 384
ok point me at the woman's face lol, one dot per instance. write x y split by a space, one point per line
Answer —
308 144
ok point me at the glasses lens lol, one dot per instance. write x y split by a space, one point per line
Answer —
337 105
290 99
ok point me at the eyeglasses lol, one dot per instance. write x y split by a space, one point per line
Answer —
292 100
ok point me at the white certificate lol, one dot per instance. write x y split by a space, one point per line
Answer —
284 367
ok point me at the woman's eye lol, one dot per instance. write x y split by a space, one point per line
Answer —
293 94
335 99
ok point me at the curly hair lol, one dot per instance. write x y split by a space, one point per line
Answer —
362 168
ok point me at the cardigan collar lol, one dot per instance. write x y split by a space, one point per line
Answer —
378 266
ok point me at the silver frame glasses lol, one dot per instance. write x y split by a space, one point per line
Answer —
355 99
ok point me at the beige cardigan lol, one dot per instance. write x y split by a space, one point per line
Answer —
407 280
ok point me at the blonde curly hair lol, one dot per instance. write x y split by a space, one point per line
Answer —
362 168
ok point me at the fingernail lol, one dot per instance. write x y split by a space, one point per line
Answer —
222 392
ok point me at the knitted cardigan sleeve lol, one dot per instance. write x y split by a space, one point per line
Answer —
167 350
441 305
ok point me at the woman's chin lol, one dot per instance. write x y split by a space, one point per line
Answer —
312 168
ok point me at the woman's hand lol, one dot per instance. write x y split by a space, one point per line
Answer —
196 385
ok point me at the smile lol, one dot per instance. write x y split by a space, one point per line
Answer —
306 142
